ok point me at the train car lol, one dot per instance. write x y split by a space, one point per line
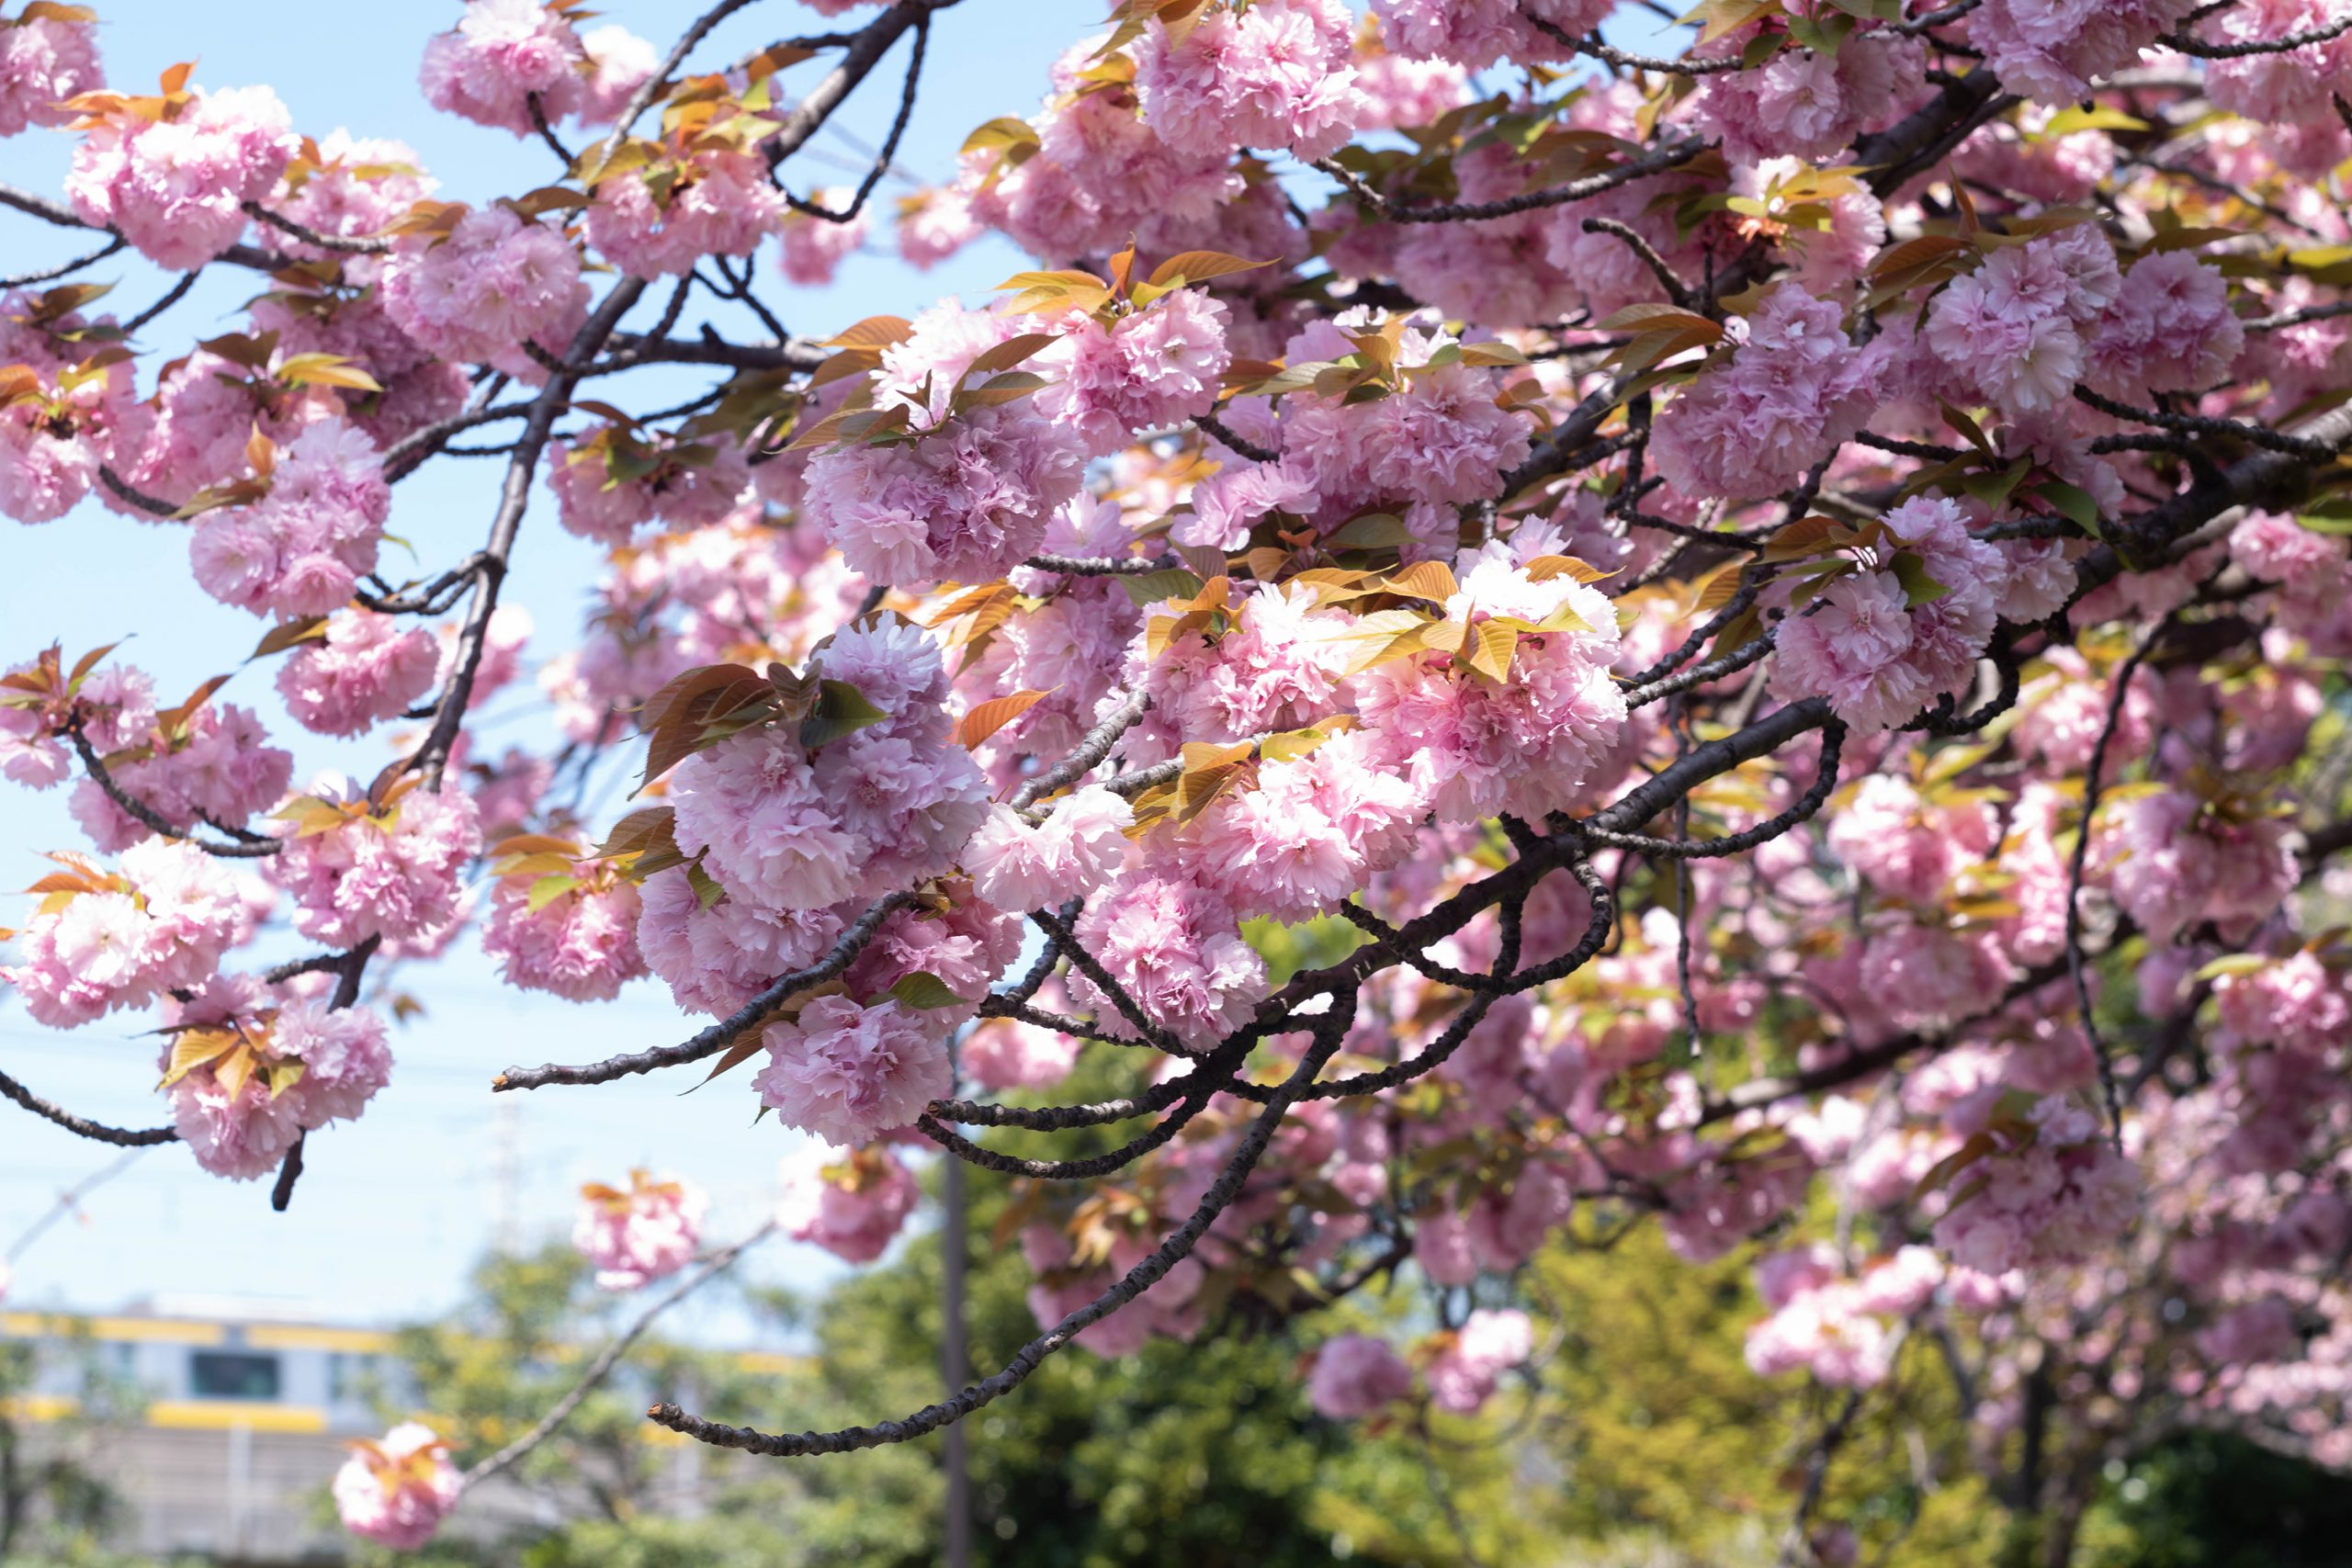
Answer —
236 1419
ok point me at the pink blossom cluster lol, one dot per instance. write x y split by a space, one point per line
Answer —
2052 53
502 55
173 186
215 764
2051 1190
1003 1054
1440 439
1877 648
1078 848
578 942
891 803
815 245
112 941
280 1070
2013 331
1834 1327
602 495
2177 860
76 413
1526 744
363 669
1099 174
720 202
1355 1375
635 1236
1806 104
848 1072
851 1203
396 1490
1473 34
1795 388
356 870
301 548
1275 75
965 497
1146 370
493 282
43 61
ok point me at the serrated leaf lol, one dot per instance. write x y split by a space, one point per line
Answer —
989 717
873 332
1199 266
1430 579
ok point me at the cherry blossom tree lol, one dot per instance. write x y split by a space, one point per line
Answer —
1775 610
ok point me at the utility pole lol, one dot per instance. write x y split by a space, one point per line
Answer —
955 1366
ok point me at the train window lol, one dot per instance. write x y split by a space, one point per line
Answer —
232 1374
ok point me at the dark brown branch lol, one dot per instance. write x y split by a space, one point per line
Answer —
718 1036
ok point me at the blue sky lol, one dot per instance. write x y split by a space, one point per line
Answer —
395 1208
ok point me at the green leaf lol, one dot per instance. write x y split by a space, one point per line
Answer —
1151 587
923 991
2070 502
1919 588
841 709
547 890
707 888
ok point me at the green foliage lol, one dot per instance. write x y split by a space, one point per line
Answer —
2206 1500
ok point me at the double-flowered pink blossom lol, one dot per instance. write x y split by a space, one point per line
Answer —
850 1202
968 496
357 869
174 186
496 281
1804 104
2012 331
1356 1375
2052 1189
248 1077
720 202
814 244
578 941
2177 860
363 669
891 803
1275 76
1146 371
2051 50
1788 394
45 60
1476 33
302 547
1176 949
499 57
717 956
2170 329
99 941
1527 743
1879 656
1080 846
636 1235
396 1490
849 1072
1002 1053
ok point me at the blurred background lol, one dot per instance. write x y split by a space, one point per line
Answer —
180 1369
